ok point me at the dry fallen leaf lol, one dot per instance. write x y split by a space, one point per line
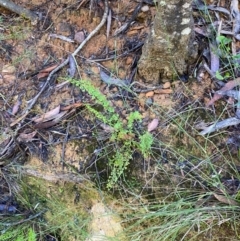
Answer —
26 137
71 106
47 116
45 72
228 86
150 94
153 125
57 119
226 200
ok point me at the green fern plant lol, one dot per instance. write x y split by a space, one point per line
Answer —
32 236
21 233
123 135
145 145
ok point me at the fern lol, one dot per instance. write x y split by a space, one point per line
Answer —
119 164
32 236
133 116
145 144
122 135
22 233
94 93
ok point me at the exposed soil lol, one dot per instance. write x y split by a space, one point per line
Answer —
32 50
70 144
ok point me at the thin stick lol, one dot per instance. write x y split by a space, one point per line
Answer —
96 30
19 10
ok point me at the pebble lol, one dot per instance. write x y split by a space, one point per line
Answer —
129 60
119 103
164 91
141 102
79 37
166 85
149 101
145 8
150 94
95 70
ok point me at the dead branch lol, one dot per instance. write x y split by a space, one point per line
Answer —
19 10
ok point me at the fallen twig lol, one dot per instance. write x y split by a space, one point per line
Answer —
64 38
220 125
23 220
19 10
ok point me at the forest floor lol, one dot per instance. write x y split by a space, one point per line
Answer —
58 138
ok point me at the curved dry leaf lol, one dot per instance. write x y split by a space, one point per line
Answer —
26 137
47 124
47 116
153 125
228 86
71 106
45 72
226 200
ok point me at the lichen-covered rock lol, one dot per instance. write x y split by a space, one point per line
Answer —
170 46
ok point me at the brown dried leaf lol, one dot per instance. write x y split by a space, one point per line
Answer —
150 94
57 119
47 116
50 68
42 74
228 86
226 200
202 31
153 125
26 137
45 72
75 105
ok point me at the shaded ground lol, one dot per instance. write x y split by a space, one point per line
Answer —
69 143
